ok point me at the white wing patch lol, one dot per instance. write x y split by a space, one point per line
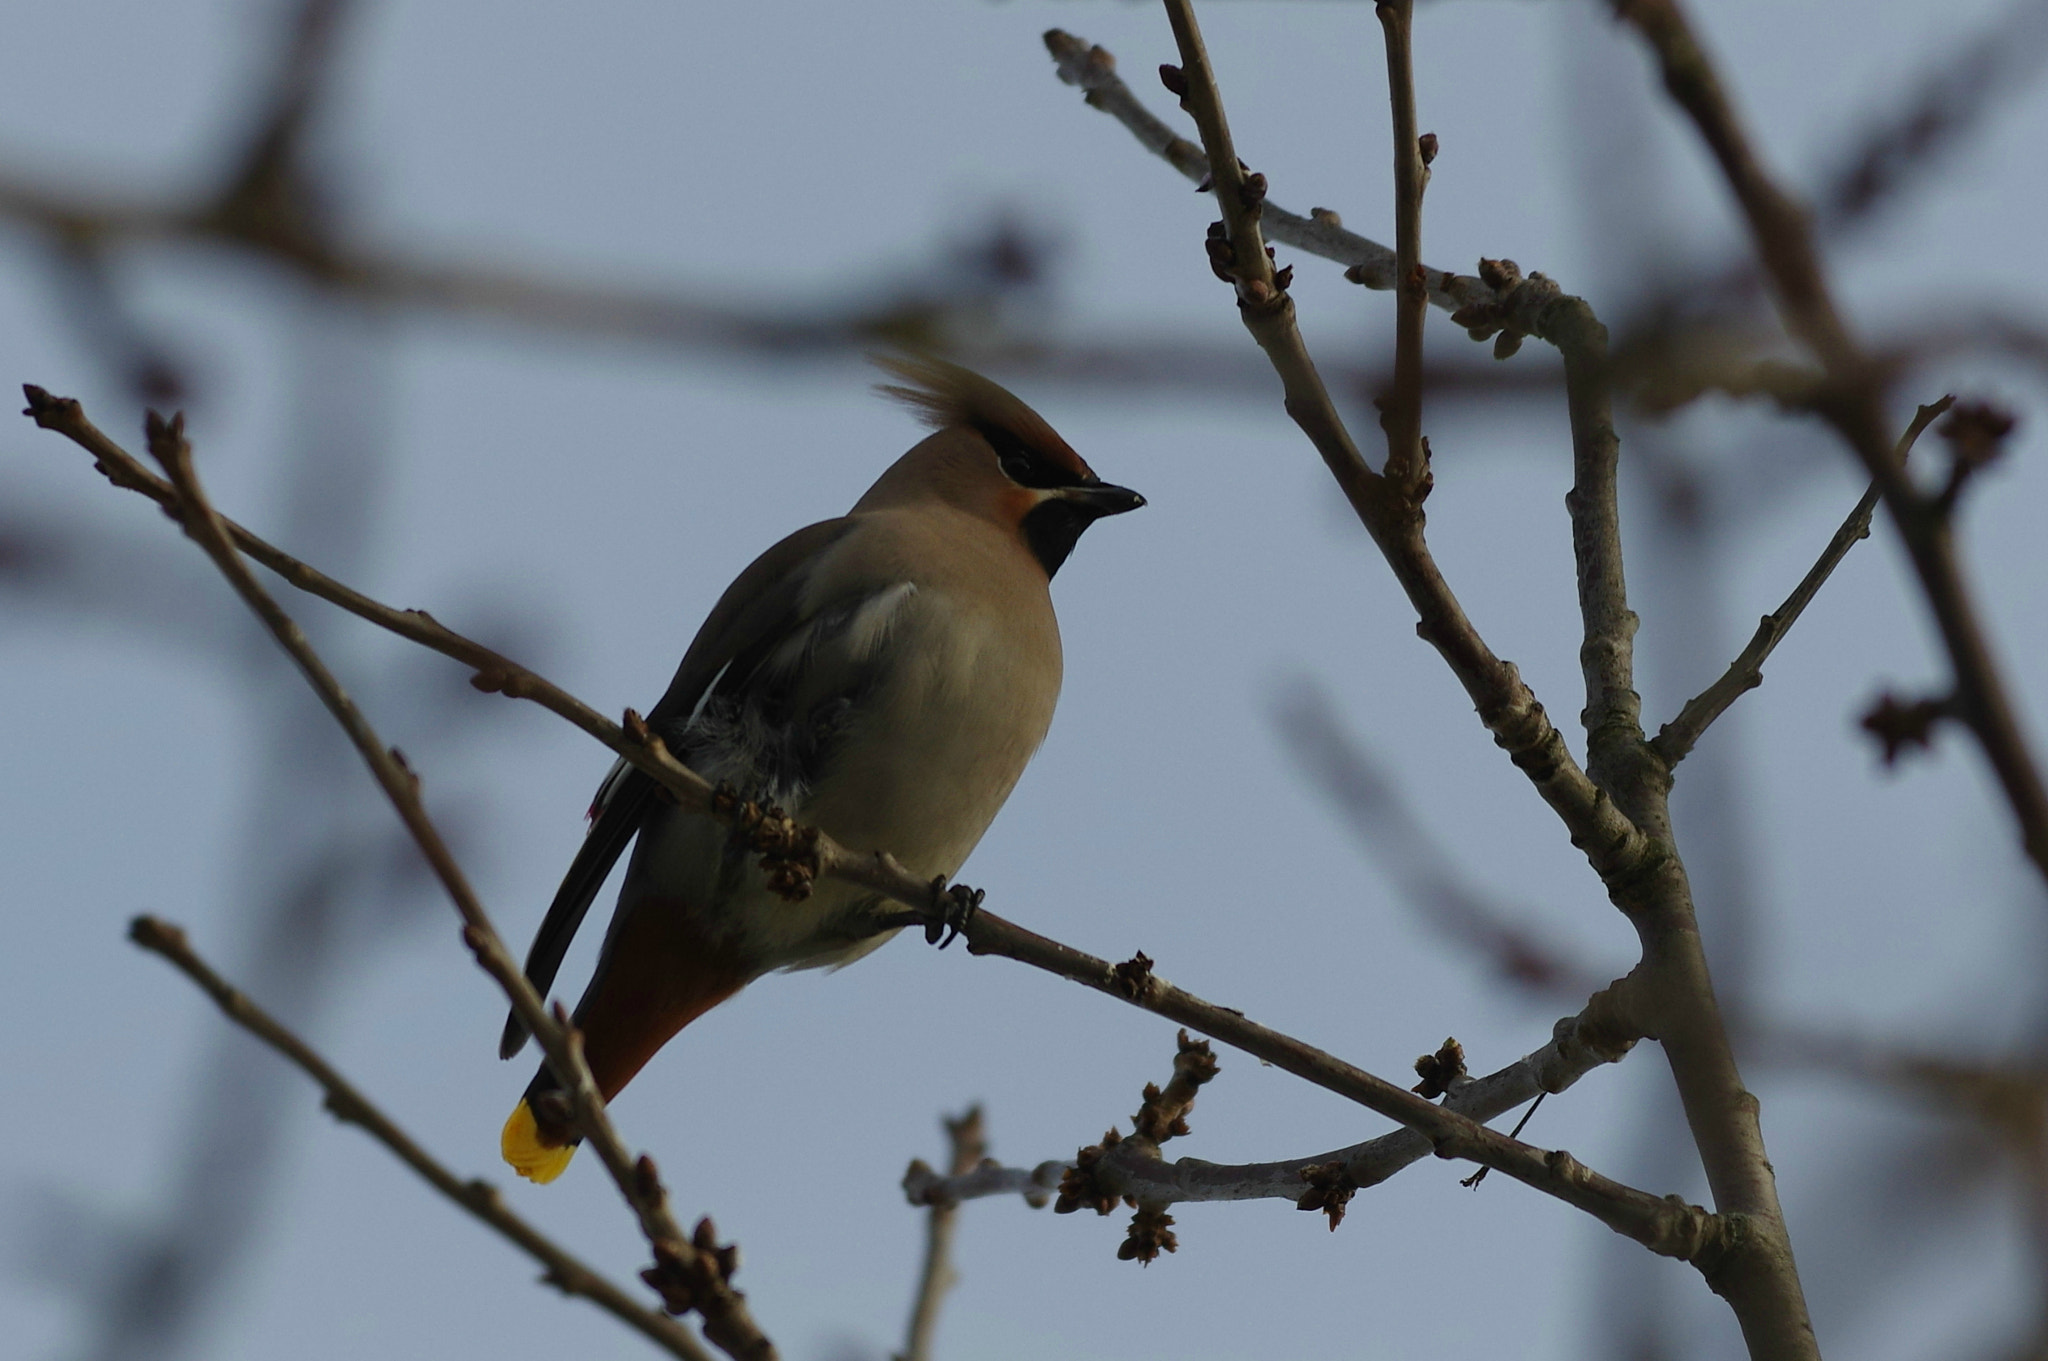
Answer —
871 623
846 633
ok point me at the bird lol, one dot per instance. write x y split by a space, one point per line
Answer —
884 676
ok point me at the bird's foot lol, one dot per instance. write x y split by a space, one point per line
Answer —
952 911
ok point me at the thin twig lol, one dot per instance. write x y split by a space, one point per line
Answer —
1401 411
924 1186
1617 850
968 1137
1092 69
1090 1182
1598 1035
1854 405
495 672
1508 306
1664 1225
1746 672
726 1320
1621 822
563 1269
1241 256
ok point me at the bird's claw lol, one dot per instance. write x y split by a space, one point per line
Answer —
953 908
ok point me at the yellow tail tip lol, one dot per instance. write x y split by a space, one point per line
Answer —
522 1147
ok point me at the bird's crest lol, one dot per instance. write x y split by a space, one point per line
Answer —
945 395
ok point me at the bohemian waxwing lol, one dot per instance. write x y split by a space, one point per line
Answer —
884 676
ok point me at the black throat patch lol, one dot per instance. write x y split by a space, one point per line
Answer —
1053 527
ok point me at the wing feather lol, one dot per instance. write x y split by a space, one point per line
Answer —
756 615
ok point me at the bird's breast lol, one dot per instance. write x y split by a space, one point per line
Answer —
898 719
962 697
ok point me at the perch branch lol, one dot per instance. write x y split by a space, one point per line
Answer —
1665 1225
1650 1220
563 1270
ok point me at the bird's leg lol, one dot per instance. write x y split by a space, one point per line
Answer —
952 911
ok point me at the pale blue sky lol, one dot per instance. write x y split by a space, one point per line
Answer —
587 501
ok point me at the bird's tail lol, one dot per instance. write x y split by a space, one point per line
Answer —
531 1156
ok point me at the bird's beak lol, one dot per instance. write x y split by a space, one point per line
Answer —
1101 498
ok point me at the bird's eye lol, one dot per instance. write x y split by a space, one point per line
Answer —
1017 468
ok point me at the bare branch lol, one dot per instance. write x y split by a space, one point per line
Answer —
923 1186
969 1141
1598 1035
1622 856
269 196
1746 672
564 1270
809 852
1093 69
498 293
1853 404
1663 1225
1239 255
1615 755
1954 97
1091 1181
1401 412
1619 819
1487 308
726 1321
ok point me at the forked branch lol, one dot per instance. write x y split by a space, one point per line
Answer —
969 1140
677 1258
564 1270
1693 1235
1853 402
1746 672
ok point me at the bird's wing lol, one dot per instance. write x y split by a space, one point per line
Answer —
757 614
